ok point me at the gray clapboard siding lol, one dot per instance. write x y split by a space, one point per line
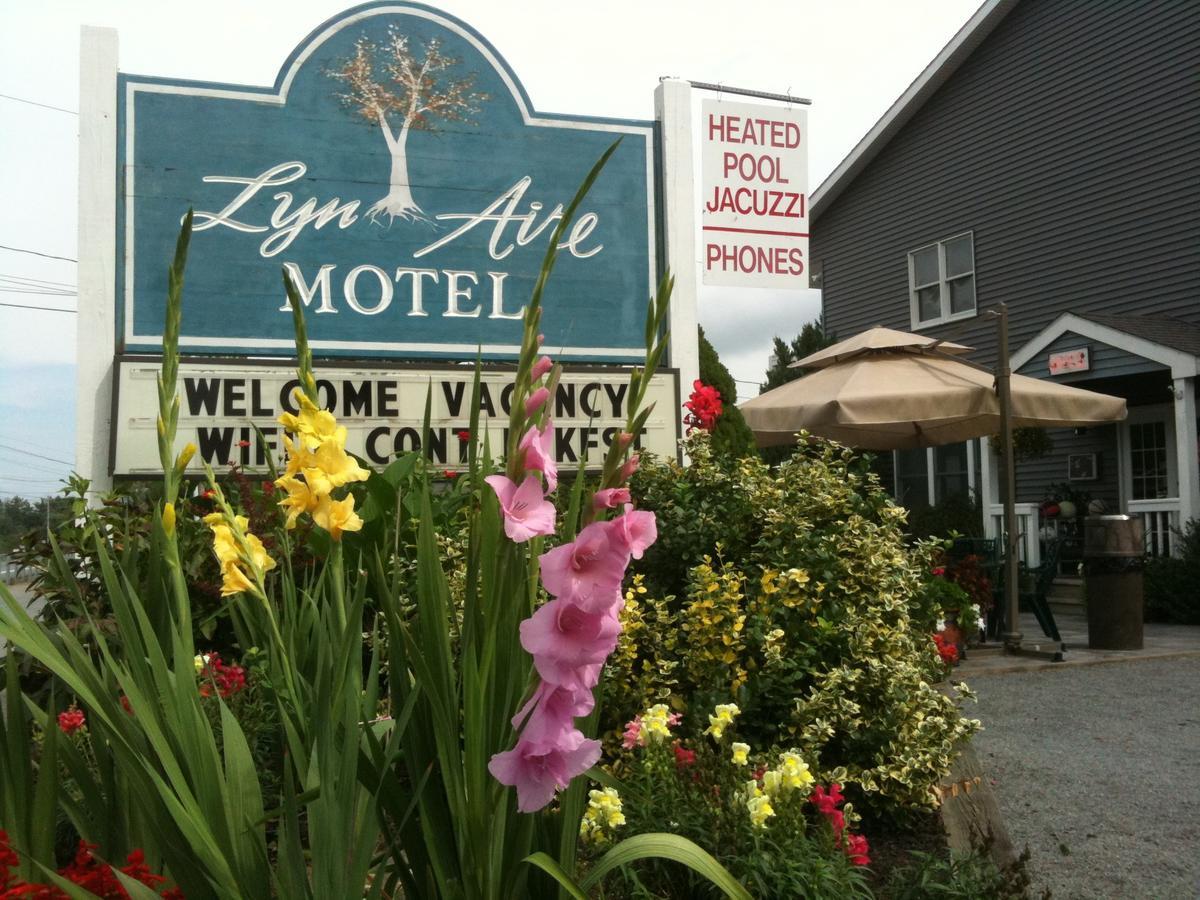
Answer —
1067 143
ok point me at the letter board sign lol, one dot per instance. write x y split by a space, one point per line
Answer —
383 408
399 172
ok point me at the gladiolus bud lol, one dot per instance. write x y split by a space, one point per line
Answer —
630 467
540 368
185 456
168 518
162 427
536 401
541 339
624 439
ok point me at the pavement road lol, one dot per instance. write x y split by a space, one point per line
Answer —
1097 770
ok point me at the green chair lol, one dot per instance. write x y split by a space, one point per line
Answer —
1035 586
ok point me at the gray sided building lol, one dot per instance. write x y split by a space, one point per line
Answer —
1049 159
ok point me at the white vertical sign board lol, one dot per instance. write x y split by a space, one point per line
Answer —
754 195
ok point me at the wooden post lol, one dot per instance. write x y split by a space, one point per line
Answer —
1012 630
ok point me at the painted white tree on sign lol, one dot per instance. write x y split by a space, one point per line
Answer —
415 91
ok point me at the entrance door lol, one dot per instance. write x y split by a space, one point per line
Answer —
1149 472
1150 459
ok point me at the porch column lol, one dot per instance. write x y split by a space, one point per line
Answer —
990 493
1185 447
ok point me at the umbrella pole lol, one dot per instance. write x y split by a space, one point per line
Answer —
1012 623
1012 627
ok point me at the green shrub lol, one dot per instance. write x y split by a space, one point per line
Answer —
791 591
732 436
954 513
1172 583
969 876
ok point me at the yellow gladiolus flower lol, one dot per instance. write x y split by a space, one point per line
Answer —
336 516
299 498
312 425
226 547
185 456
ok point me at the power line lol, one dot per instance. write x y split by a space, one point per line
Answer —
6 478
35 103
42 308
36 252
38 455
37 291
28 279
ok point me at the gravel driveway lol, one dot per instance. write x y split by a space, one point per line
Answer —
1097 769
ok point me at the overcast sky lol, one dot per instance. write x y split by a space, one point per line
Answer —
853 58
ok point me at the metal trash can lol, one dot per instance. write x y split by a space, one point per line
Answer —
1113 554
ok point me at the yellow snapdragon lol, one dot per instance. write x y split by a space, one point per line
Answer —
795 771
723 718
656 722
602 817
760 810
740 753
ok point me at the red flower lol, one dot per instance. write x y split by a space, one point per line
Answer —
450 473
464 435
228 679
856 849
684 758
268 487
946 649
125 705
827 802
71 721
939 571
243 443
89 873
704 407
208 494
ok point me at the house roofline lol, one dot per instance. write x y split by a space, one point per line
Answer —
1181 363
937 73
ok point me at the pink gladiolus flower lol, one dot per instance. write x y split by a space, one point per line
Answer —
610 498
587 571
527 513
536 400
568 643
630 467
632 736
540 368
539 453
551 711
636 530
537 770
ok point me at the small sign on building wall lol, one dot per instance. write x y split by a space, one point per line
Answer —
754 195
1070 361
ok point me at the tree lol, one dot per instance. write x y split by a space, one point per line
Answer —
811 339
394 80
732 436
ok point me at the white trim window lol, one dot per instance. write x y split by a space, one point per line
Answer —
941 281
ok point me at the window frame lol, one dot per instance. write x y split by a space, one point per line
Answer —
943 284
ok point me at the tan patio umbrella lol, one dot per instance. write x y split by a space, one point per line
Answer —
890 390
895 399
